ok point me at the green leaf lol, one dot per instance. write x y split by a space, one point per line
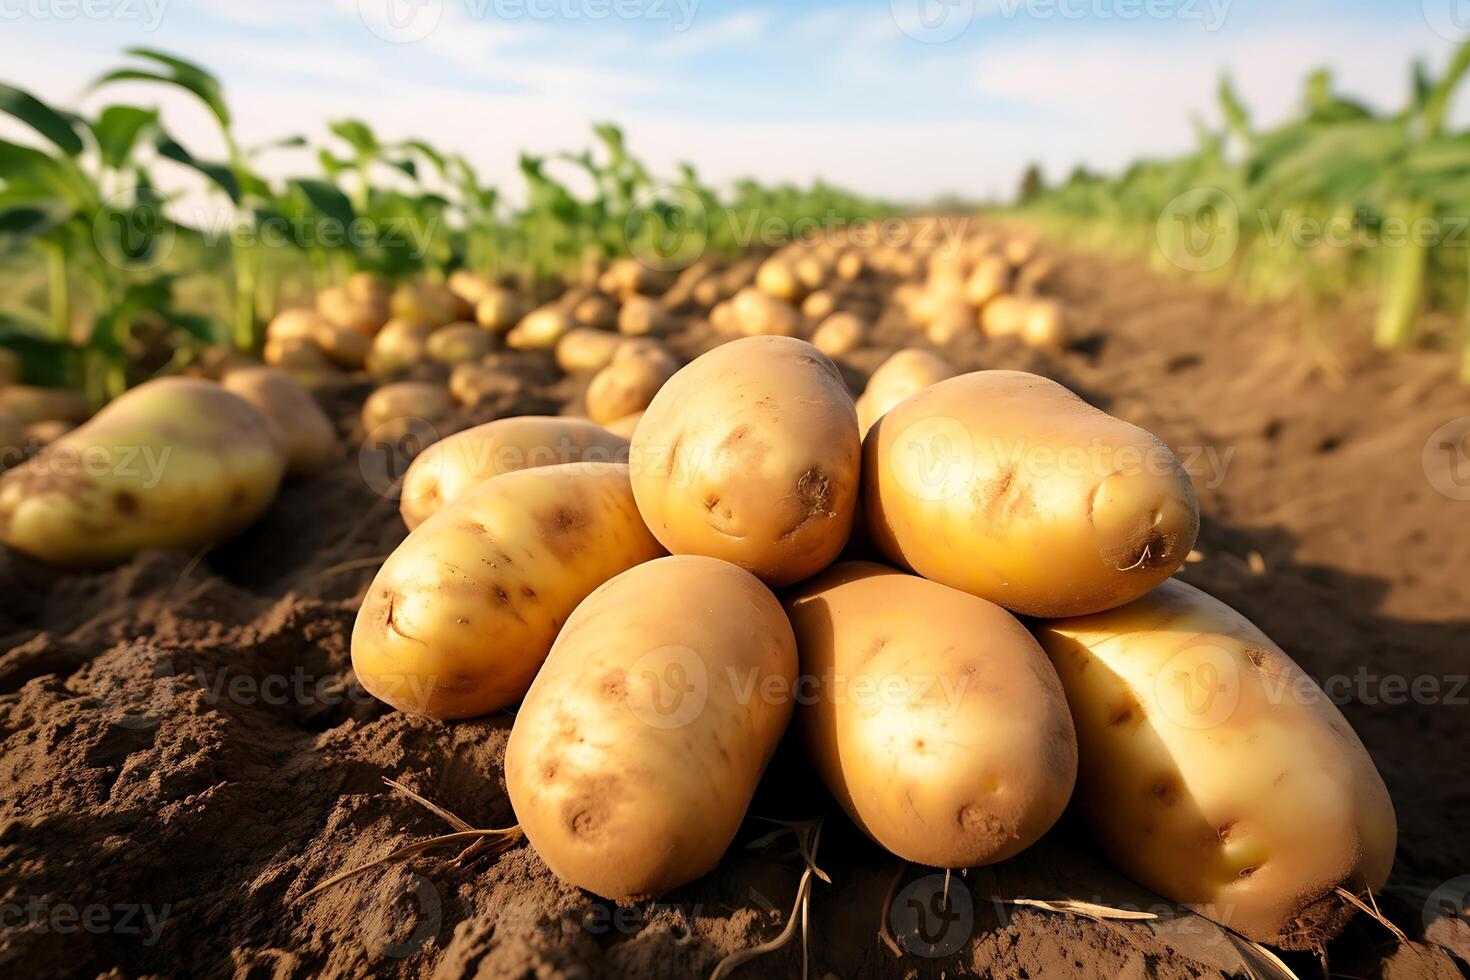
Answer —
44 361
28 169
19 226
183 74
327 198
357 134
1236 116
406 165
222 175
40 117
117 131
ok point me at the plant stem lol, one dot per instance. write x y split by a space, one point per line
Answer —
1404 267
60 292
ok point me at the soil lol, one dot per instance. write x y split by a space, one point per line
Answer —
185 752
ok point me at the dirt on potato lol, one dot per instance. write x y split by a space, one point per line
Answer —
184 751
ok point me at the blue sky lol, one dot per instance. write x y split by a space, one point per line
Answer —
904 98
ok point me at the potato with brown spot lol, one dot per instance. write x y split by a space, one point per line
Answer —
460 617
1008 486
452 467
751 454
635 755
306 434
1215 771
907 372
638 370
173 463
936 720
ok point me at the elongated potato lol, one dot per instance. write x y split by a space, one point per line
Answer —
840 334
460 617
499 310
635 755
471 384
1008 486
459 343
629 383
428 303
751 454
337 307
400 344
540 329
307 436
174 463
586 349
937 722
1216 772
448 469
909 371
758 314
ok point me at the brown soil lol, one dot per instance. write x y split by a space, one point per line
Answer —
185 752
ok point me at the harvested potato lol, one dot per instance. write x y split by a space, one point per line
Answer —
460 617
173 463
628 830
811 272
722 318
751 454
990 278
840 334
584 349
850 265
1045 325
777 278
10 370
951 321
708 291
1019 251
936 722
339 309
630 382
626 425
428 303
399 345
628 277
819 305
30 404
597 311
408 409
448 469
364 287
39 434
296 355
499 310
469 286
459 343
1004 316
906 372
295 325
306 435
344 346
471 384
759 314
1006 485
540 330
643 317
1216 772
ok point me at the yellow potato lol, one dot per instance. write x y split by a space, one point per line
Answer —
499 310
408 408
584 349
1004 316
936 720
596 311
951 321
471 384
777 278
819 305
40 434
850 266
450 468
338 308
429 304
1045 324
540 330
459 343
991 278
630 382
302 358
174 463
306 435
1215 771
840 334
626 425
759 314
460 617
1008 486
469 286
399 345
10 369
628 277
30 404
295 325
364 287
634 758
643 317
722 318
751 454
344 346
906 372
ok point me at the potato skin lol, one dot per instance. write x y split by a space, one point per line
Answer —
910 370
1008 486
936 720
445 471
174 463
751 454
621 789
307 436
1216 772
460 617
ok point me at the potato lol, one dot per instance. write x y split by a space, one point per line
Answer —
10 368
499 310
340 310
819 305
364 287
540 329
626 425
1004 316
951 321
1019 251
1006 485
630 382
295 325
416 409
173 463
306 435
448 469
628 787
583 349
459 343
30 404
906 372
343 346
840 334
751 454
722 318
469 286
597 311
708 291
811 272
759 314
40 434
1045 325
777 278
937 722
991 278
627 277
1215 771
399 345
471 384
460 617
643 317
850 266
298 356
429 304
